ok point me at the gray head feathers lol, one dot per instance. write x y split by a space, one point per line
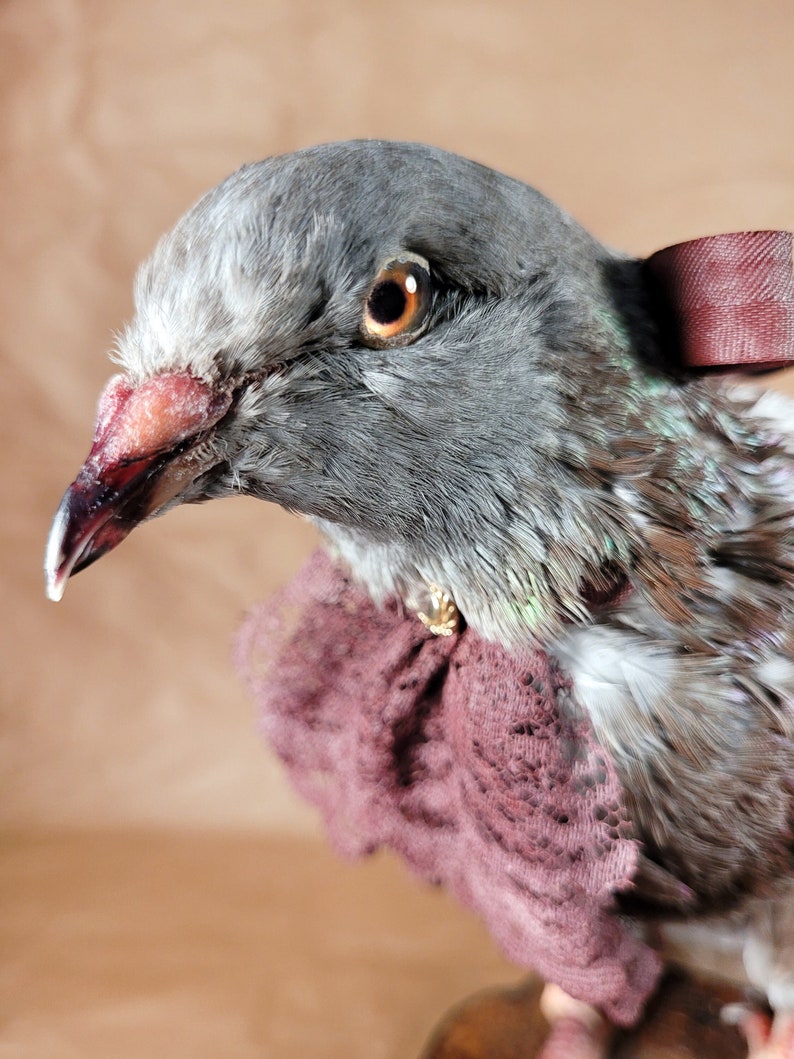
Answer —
448 458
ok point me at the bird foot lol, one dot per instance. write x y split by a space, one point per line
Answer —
577 1031
768 1038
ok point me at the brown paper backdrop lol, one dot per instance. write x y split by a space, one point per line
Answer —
146 906
650 122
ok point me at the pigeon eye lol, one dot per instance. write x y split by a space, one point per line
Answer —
398 304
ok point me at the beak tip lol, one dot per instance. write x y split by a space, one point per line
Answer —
55 587
56 569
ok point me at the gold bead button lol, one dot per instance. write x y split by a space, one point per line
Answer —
439 612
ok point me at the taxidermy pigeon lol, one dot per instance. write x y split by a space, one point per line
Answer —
485 412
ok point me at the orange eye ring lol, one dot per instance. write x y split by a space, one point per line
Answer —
397 307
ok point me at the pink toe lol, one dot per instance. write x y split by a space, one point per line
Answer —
769 1038
570 1038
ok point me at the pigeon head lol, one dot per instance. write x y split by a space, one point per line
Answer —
416 352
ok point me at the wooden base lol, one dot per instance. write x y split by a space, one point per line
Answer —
682 1022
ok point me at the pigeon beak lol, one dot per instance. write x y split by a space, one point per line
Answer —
149 446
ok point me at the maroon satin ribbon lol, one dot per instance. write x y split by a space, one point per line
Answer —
730 299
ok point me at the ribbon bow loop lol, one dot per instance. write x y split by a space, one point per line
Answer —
729 299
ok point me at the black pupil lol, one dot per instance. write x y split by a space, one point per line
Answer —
387 302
